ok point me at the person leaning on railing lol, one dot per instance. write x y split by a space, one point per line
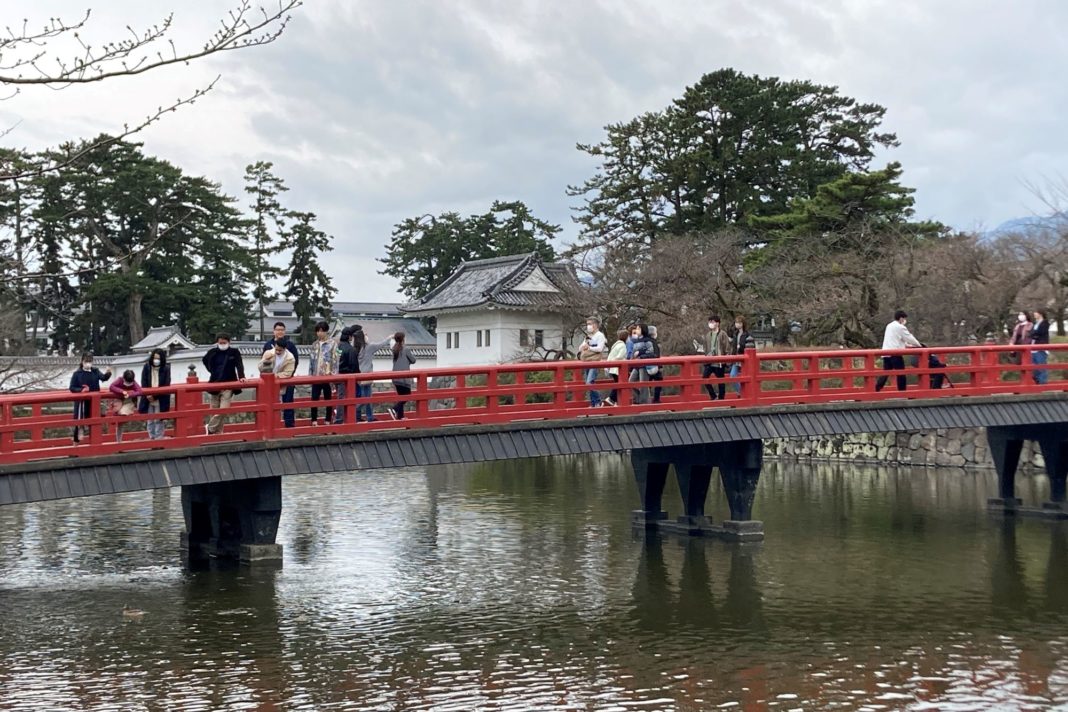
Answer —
281 362
896 337
86 379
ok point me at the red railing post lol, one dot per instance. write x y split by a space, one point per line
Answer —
922 368
188 420
493 402
751 371
7 439
813 382
422 388
267 394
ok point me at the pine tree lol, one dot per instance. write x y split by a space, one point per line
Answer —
308 285
266 231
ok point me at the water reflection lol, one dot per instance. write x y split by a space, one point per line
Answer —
522 586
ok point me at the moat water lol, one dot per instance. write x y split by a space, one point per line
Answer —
521 586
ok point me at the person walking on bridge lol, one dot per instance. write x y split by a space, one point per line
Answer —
287 394
717 343
593 348
279 360
224 365
896 336
1040 337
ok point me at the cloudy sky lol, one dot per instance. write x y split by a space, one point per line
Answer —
377 110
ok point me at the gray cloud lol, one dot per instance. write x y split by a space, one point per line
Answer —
379 110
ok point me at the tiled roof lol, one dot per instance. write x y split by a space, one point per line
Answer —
159 336
500 281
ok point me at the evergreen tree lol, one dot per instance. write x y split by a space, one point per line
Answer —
308 284
266 231
732 148
424 251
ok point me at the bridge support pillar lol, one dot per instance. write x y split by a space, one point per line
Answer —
1005 448
1055 453
740 471
650 474
739 464
236 520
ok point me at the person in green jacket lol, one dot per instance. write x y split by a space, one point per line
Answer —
717 343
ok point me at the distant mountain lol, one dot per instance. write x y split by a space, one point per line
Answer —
1028 224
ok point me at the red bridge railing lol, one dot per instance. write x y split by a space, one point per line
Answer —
39 426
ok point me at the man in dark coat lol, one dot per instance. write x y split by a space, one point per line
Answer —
224 365
347 362
287 393
86 379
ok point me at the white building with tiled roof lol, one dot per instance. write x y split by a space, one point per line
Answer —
499 310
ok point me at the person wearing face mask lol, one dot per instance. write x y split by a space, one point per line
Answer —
156 373
224 365
642 349
742 337
1021 334
86 379
127 390
593 349
717 343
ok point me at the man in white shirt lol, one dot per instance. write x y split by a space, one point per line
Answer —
593 349
896 337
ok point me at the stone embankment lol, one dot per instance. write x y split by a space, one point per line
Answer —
945 447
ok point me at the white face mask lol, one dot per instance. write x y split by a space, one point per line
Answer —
590 328
223 347
1022 317
713 326
155 362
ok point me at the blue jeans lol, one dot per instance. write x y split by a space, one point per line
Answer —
363 390
287 415
339 412
591 378
1040 358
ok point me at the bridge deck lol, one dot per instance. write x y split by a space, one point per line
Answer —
353 452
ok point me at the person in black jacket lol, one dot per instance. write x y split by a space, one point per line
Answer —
1040 335
224 365
347 362
86 379
287 393
156 373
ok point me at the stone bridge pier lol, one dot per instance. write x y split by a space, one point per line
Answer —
1006 443
233 520
739 464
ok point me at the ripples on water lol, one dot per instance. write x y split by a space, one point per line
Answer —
521 587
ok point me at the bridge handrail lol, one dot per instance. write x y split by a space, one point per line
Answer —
30 429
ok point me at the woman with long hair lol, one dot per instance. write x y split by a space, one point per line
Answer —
156 373
365 355
403 358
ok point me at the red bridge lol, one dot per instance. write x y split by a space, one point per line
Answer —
535 409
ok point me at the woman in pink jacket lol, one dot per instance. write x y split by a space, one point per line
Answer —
128 391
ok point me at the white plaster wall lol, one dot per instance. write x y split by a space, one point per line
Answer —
504 326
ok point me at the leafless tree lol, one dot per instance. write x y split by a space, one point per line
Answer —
29 58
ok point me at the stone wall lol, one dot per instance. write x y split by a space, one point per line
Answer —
945 447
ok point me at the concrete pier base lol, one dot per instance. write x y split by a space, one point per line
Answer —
233 520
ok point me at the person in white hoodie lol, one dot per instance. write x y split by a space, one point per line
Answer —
896 337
